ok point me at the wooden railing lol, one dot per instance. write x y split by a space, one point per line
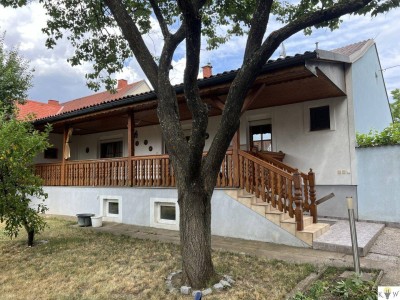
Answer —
285 188
151 171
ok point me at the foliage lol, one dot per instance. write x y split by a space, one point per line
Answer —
395 106
331 288
388 136
19 145
15 78
355 288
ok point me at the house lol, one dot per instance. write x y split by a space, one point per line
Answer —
302 113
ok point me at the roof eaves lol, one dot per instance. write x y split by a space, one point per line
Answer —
217 79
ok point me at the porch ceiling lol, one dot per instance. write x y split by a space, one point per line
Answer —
282 87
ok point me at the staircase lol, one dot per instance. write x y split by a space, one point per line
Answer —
279 193
310 232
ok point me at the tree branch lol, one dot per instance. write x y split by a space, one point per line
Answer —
133 36
160 18
258 27
192 22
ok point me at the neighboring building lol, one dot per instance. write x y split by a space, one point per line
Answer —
308 106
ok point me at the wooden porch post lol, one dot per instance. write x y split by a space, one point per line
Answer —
65 135
131 146
235 157
298 200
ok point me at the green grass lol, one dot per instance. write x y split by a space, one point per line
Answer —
75 263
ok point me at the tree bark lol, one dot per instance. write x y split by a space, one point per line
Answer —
195 234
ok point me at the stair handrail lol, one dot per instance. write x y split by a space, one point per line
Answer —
295 192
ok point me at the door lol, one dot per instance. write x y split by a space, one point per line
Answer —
261 136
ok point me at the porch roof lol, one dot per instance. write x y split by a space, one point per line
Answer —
280 82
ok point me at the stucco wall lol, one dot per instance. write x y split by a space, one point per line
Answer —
379 183
56 142
371 106
325 151
229 217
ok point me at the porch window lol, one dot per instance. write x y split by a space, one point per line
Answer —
261 137
111 149
320 118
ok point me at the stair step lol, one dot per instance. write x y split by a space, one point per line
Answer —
246 200
311 232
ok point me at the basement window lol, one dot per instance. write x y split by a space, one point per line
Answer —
111 208
320 118
164 213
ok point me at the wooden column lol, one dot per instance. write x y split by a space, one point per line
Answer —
235 157
131 146
65 134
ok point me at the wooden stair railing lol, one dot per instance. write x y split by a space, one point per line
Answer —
284 187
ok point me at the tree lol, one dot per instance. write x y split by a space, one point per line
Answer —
15 78
107 32
395 106
19 145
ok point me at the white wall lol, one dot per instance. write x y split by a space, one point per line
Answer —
229 217
56 142
325 151
371 106
379 183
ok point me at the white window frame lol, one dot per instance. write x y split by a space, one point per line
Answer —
307 119
104 201
155 213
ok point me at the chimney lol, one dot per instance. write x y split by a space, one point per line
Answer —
53 102
122 83
207 70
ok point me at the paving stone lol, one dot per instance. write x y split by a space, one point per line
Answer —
225 283
218 286
185 290
206 292
229 279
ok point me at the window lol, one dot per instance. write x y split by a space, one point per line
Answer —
111 208
111 149
164 213
320 118
51 153
261 137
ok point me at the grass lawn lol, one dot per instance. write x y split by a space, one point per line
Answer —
81 264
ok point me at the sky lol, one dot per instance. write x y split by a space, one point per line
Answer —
54 78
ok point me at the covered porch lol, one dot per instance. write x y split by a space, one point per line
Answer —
119 143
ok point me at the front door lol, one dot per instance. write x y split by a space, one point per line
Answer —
261 137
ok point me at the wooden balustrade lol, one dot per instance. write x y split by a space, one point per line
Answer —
286 191
268 179
307 183
151 171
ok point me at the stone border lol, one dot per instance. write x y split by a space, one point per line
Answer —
225 283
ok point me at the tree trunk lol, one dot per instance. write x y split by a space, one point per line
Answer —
195 234
31 234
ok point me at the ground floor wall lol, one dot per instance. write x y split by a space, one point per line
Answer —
140 206
336 207
379 183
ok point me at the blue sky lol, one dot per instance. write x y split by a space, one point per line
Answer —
55 79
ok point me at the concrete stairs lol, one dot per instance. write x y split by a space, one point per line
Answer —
308 235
